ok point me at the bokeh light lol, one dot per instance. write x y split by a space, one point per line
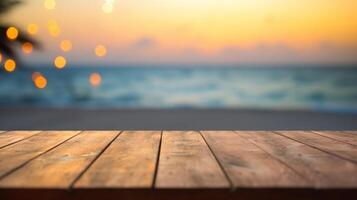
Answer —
60 62
27 47
50 4
53 28
95 79
100 50
39 80
12 33
10 65
66 45
32 29
0 57
35 75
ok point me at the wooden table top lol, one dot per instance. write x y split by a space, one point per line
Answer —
178 164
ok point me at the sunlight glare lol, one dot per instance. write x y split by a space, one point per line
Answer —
50 4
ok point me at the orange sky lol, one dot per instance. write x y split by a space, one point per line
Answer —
222 31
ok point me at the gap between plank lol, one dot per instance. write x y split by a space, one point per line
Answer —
19 140
157 162
48 150
328 152
219 164
91 163
317 133
280 161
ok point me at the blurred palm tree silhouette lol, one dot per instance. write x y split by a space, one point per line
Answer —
8 47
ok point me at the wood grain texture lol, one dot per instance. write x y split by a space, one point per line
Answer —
130 161
341 149
187 162
342 136
325 170
11 137
17 154
59 167
249 166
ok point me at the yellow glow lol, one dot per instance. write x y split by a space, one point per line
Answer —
53 28
27 48
32 29
0 57
100 50
39 80
10 65
95 79
107 8
203 26
12 33
60 62
66 45
50 4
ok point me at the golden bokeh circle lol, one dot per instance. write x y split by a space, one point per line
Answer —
12 33
66 45
60 62
10 65
27 47
95 79
40 81
32 29
100 50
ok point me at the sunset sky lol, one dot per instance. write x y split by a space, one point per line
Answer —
194 31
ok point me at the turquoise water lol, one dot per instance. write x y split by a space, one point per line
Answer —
331 89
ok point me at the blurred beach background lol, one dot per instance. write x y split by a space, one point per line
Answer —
243 65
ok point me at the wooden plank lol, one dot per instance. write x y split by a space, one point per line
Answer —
130 161
334 147
342 136
186 162
11 137
249 166
61 166
325 170
13 156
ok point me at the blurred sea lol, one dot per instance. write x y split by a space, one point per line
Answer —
323 89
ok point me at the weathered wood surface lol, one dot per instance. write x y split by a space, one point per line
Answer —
61 166
178 164
16 155
11 137
323 169
130 161
187 162
249 166
337 148
347 137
